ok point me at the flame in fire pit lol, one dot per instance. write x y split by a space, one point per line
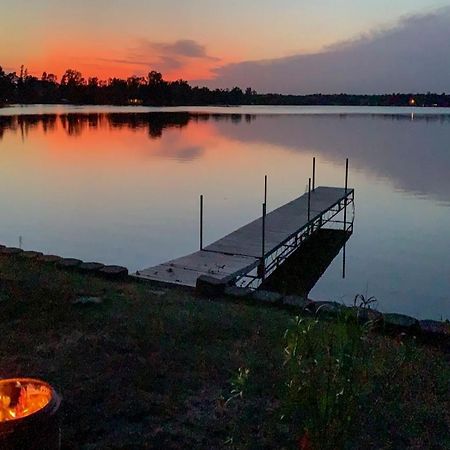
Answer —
21 397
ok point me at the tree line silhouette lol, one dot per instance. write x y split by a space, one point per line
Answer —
153 90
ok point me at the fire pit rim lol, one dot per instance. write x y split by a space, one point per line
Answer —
46 411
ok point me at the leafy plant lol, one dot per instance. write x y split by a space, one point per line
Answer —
326 368
238 383
362 301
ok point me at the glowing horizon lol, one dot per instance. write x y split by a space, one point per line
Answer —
192 40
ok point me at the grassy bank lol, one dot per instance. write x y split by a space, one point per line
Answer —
154 368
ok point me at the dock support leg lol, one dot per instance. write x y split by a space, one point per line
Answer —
346 191
201 222
309 205
314 174
265 189
345 218
343 262
263 243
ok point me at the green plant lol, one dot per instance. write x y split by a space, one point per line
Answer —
326 368
238 383
362 301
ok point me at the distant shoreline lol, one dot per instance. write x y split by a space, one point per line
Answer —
154 90
270 102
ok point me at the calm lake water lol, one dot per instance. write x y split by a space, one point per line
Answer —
121 185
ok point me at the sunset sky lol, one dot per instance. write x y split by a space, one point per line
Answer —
202 41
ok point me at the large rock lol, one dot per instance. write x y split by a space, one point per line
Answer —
49 259
267 296
297 301
10 251
435 327
29 254
90 267
400 321
114 272
210 286
364 315
238 292
68 263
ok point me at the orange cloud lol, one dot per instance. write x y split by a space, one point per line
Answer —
183 58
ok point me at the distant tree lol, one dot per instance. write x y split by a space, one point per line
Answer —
72 78
6 87
72 86
52 78
155 78
249 95
157 91
117 91
134 85
236 96
93 82
154 90
180 92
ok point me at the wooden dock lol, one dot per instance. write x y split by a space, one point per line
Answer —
246 256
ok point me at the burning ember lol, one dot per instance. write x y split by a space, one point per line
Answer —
21 397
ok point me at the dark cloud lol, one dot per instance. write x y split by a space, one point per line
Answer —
412 56
162 63
169 63
163 56
125 61
181 49
184 47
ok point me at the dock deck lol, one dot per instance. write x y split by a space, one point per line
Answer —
235 257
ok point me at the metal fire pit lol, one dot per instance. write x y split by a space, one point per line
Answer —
28 415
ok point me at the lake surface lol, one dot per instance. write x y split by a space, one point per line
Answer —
121 185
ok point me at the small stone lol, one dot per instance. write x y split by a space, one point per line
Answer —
267 296
49 259
10 251
238 292
30 254
88 301
395 320
114 272
297 300
434 327
90 267
157 292
68 263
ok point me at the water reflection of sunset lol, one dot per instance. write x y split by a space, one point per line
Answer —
124 188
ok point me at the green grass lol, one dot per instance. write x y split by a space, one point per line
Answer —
152 368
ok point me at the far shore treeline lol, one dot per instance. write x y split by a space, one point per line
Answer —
153 90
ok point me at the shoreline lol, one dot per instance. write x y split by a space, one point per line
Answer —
286 300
